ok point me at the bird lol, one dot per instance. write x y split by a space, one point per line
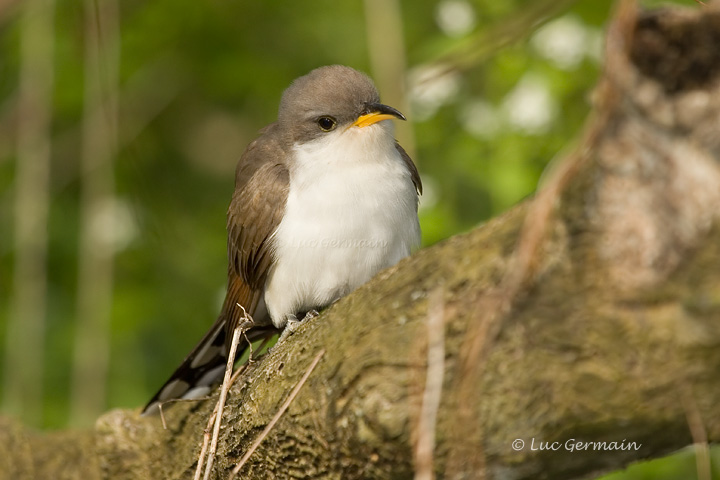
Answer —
325 198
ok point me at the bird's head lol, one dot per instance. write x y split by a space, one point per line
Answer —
331 99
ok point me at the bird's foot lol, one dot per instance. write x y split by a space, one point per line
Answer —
293 323
310 315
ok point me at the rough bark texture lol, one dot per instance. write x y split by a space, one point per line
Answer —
591 312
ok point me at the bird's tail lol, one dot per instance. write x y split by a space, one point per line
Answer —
204 366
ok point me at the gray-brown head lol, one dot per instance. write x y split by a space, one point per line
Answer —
328 98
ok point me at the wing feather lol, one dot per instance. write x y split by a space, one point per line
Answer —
257 206
414 174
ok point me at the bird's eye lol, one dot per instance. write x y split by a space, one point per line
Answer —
326 123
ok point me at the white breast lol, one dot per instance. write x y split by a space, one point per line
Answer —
351 211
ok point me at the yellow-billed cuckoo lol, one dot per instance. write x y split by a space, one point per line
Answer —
324 199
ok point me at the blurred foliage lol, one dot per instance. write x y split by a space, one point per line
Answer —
679 466
198 79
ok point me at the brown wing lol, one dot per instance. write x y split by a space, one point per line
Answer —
262 182
257 206
414 175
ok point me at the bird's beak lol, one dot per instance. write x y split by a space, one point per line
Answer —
377 112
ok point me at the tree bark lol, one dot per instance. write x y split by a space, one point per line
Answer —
590 313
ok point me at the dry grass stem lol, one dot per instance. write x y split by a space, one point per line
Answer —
698 433
433 386
206 442
223 396
206 432
277 416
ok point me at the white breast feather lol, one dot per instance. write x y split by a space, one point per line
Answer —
351 211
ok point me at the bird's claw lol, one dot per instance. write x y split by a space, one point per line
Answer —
293 323
310 315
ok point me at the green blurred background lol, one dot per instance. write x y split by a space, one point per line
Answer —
146 107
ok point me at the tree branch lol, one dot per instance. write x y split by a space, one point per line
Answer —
588 314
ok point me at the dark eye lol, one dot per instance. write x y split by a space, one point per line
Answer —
326 123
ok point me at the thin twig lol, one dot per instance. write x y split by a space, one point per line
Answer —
213 418
162 416
698 433
277 416
206 442
244 334
221 401
240 329
206 432
237 373
433 386
264 343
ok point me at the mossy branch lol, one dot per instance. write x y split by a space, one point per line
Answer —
590 313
